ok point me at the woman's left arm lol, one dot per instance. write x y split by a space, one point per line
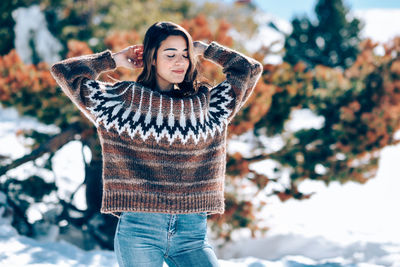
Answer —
242 72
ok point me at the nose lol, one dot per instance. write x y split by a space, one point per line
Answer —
180 60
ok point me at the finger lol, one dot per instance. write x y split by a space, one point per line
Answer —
139 57
138 64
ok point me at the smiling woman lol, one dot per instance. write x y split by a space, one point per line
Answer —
169 59
163 141
172 62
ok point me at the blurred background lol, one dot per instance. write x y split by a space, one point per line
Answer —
313 157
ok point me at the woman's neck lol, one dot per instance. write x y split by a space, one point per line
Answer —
164 87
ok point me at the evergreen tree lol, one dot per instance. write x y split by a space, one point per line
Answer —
332 40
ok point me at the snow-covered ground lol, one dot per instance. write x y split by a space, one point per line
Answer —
342 225
348 224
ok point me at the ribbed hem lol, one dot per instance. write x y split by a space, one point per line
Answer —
116 202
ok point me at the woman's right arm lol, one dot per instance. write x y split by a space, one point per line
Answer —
73 73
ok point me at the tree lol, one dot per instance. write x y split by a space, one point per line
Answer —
332 40
91 22
360 107
32 91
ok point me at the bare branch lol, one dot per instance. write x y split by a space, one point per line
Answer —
52 145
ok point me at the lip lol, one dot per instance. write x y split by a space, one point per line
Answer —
178 71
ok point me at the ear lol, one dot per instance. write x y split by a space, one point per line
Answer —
153 63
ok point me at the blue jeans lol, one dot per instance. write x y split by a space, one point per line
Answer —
149 239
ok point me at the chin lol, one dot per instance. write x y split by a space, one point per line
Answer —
176 81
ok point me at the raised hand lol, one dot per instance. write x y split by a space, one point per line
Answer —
199 48
130 57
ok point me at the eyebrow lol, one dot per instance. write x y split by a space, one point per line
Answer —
174 49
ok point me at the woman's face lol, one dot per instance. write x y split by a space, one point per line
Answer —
172 62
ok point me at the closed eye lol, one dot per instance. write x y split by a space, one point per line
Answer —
172 56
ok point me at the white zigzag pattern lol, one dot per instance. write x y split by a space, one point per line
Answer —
112 111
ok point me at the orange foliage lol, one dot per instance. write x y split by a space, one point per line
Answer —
117 41
121 39
255 108
260 180
198 28
222 36
78 48
237 166
365 62
284 196
395 68
15 76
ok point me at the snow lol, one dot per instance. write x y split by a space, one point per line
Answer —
304 119
31 25
383 27
268 36
18 251
341 225
350 224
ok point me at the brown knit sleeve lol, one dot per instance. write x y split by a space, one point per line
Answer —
242 73
72 75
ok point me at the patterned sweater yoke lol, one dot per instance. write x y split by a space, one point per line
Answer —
160 153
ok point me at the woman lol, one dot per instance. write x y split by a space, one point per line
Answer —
163 141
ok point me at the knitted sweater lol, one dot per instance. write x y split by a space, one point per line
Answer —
160 153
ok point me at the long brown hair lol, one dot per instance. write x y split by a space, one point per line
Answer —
153 38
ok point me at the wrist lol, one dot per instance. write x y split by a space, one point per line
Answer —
199 47
116 57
